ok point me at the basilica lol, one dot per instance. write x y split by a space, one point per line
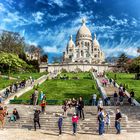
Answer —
85 49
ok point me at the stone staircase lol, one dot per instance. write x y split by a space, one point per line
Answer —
130 121
110 89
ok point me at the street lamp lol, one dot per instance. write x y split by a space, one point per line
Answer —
9 70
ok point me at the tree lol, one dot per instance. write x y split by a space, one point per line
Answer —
121 62
11 61
11 42
44 58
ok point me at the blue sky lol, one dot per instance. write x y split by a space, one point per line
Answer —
49 23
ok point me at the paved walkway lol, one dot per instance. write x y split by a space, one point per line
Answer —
29 86
26 89
18 134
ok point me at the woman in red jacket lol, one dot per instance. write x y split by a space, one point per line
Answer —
74 122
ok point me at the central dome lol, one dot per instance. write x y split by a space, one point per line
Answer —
83 32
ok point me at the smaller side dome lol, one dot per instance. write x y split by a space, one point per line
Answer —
95 42
71 43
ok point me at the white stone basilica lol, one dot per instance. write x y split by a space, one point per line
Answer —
84 50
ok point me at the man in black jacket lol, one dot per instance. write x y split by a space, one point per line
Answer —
36 119
81 107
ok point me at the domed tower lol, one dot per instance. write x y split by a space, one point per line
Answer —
69 53
70 45
98 55
83 36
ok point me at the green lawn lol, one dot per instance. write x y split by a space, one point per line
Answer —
80 75
27 75
127 79
64 89
4 82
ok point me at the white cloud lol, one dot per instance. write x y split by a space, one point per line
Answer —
55 17
32 42
2 8
49 49
38 17
57 2
118 21
125 46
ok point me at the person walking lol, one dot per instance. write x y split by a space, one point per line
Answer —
74 123
94 97
37 119
41 96
81 108
107 120
65 108
43 105
101 121
118 118
35 97
60 123
115 96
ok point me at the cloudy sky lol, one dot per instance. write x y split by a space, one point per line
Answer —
49 23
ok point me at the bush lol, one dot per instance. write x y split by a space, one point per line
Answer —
63 70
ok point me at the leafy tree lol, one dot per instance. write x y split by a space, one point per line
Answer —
121 62
11 42
44 58
134 66
12 61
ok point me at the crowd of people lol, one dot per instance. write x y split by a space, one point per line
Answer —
3 113
15 87
77 104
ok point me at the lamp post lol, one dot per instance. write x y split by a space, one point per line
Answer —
9 71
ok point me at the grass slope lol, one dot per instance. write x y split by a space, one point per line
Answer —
64 89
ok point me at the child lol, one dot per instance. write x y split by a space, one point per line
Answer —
43 105
74 123
60 122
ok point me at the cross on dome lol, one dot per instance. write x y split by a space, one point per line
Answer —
83 21
95 35
70 37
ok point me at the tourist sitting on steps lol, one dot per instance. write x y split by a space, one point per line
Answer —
14 116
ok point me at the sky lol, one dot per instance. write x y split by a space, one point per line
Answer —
49 23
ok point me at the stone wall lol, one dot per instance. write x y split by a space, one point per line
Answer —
74 67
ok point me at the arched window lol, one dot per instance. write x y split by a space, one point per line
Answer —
82 53
86 44
95 55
